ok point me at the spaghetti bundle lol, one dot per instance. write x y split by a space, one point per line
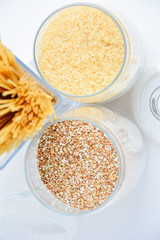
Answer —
23 105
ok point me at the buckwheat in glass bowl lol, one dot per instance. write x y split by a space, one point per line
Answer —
88 53
85 161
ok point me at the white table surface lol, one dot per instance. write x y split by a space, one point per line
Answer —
138 215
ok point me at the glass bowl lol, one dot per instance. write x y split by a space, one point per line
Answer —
130 69
127 141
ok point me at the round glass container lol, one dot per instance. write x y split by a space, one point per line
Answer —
146 102
126 139
130 69
23 217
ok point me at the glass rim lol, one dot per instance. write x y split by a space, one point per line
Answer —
154 103
85 212
111 15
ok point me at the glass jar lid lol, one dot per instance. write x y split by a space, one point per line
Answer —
23 217
146 102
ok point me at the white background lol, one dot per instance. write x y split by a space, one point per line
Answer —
138 215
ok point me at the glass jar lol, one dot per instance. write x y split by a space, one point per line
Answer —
146 102
7 157
127 140
130 69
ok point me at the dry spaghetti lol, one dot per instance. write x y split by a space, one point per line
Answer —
80 50
23 105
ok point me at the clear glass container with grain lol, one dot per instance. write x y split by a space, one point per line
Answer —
130 155
6 157
88 65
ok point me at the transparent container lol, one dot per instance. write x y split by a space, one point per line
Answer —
146 102
129 145
131 67
23 217
6 157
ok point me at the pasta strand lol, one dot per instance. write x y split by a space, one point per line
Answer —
24 106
